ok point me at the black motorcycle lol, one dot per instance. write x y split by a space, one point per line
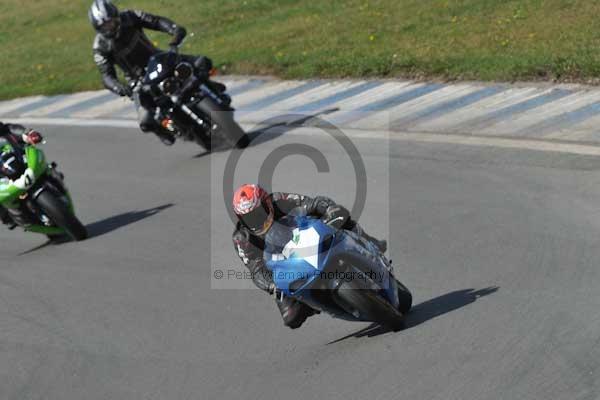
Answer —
190 105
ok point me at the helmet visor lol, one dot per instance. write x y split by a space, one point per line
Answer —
258 220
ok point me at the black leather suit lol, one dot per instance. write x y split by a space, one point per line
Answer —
131 50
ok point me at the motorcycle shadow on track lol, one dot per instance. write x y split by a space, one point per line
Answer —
426 311
113 223
105 226
274 127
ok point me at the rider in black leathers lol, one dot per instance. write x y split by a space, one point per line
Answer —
121 41
250 245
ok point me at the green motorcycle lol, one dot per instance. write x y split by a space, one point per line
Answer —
37 194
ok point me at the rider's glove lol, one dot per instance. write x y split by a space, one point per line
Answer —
336 216
123 91
177 100
178 36
32 137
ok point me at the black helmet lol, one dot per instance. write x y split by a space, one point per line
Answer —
105 18
11 165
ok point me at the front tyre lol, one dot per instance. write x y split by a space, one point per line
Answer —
404 298
367 305
223 123
62 217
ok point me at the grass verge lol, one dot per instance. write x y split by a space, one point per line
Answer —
45 45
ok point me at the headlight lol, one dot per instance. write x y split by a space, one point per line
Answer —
183 71
170 86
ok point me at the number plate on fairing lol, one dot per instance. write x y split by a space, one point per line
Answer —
304 244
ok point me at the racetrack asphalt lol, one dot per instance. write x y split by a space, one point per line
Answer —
498 246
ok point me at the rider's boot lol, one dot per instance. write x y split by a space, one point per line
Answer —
165 137
149 124
293 312
7 219
19 216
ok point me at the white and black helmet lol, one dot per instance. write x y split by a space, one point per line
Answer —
105 18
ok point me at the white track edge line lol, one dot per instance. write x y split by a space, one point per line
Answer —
478 141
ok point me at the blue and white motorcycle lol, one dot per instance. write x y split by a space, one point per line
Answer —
334 271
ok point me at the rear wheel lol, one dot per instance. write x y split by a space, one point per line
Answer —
62 217
223 123
366 304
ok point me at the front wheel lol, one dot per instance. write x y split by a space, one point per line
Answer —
62 217
222 123
404 298
367 305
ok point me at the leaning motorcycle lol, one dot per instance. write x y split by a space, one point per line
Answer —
40 196
334 271
203 114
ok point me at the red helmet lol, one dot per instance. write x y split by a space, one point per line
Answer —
254 208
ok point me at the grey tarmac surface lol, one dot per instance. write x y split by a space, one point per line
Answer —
500 248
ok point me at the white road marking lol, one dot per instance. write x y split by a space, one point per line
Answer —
540 114
67 102
390 93
384 118
481 108
479 141
284 106
118 104
268 89
8 106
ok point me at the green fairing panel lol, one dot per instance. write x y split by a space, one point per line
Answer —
8 193
45 230
36 160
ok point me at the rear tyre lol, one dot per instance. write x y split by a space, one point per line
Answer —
62 217
226 126
353 297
